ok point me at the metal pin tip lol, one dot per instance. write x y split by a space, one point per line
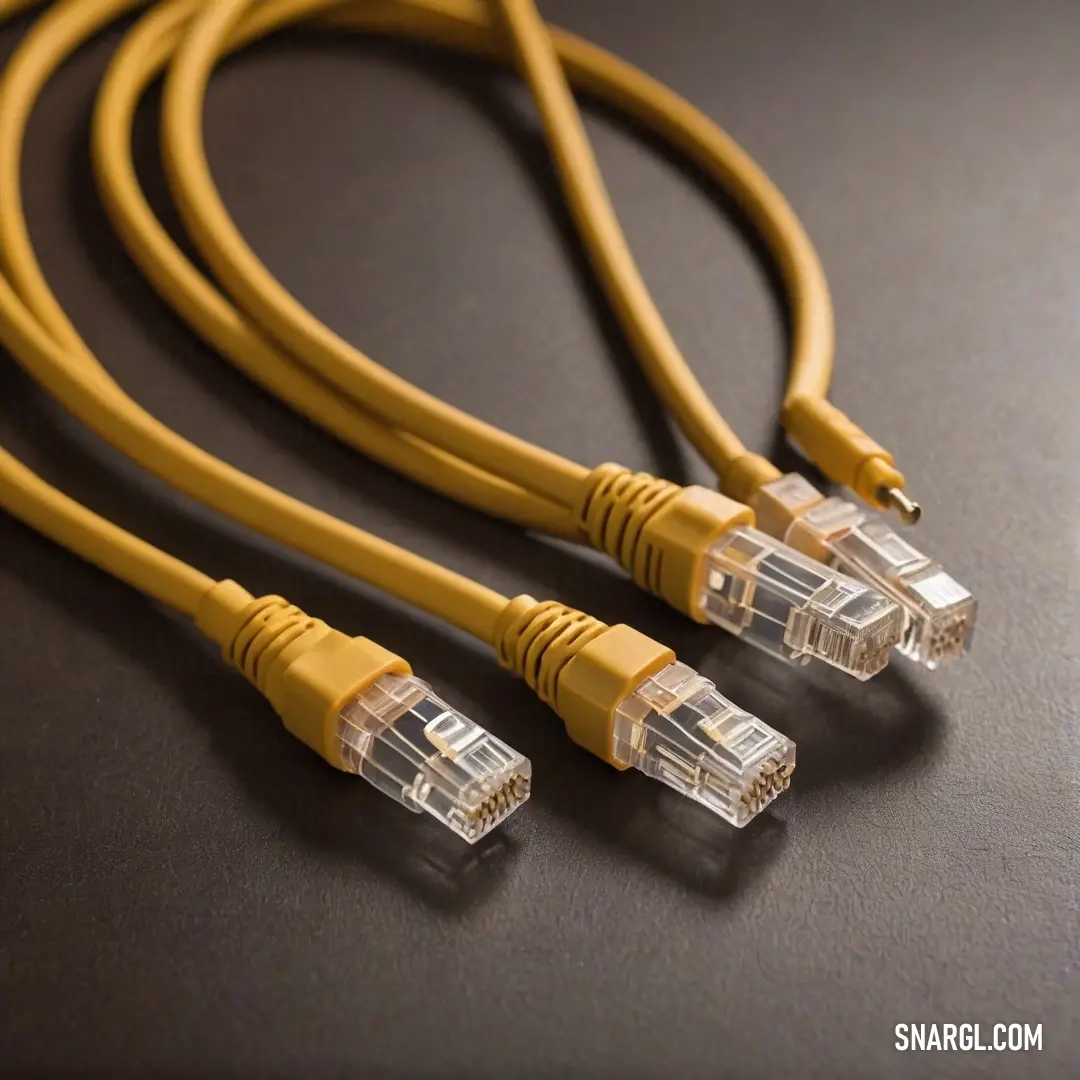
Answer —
907 508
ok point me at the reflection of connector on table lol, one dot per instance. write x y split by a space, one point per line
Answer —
677 728
418 750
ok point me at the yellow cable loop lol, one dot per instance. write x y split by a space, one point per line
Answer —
270 305
464 24
467 25
50 350
43 507
140 58
846 453
830 438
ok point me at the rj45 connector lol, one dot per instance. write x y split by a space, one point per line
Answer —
677 728
418 750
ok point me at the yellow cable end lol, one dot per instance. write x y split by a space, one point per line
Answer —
359 706
880 484
306 669
659 532
906 507
847 455
625 698
598 679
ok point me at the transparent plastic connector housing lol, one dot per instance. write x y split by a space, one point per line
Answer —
795 608
939 613
415 748
677 728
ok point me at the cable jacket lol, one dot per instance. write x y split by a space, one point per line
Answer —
116 551
540 51
43 507
270 305
49 348
141 56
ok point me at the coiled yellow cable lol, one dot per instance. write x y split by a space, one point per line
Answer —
272 309
333 691
840 448
43 507
140 57
34 327
458 23
844 452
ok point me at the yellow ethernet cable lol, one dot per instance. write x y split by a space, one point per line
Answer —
831 440
939 613
348 699
620 694
693 547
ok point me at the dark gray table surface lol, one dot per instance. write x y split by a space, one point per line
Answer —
187 891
